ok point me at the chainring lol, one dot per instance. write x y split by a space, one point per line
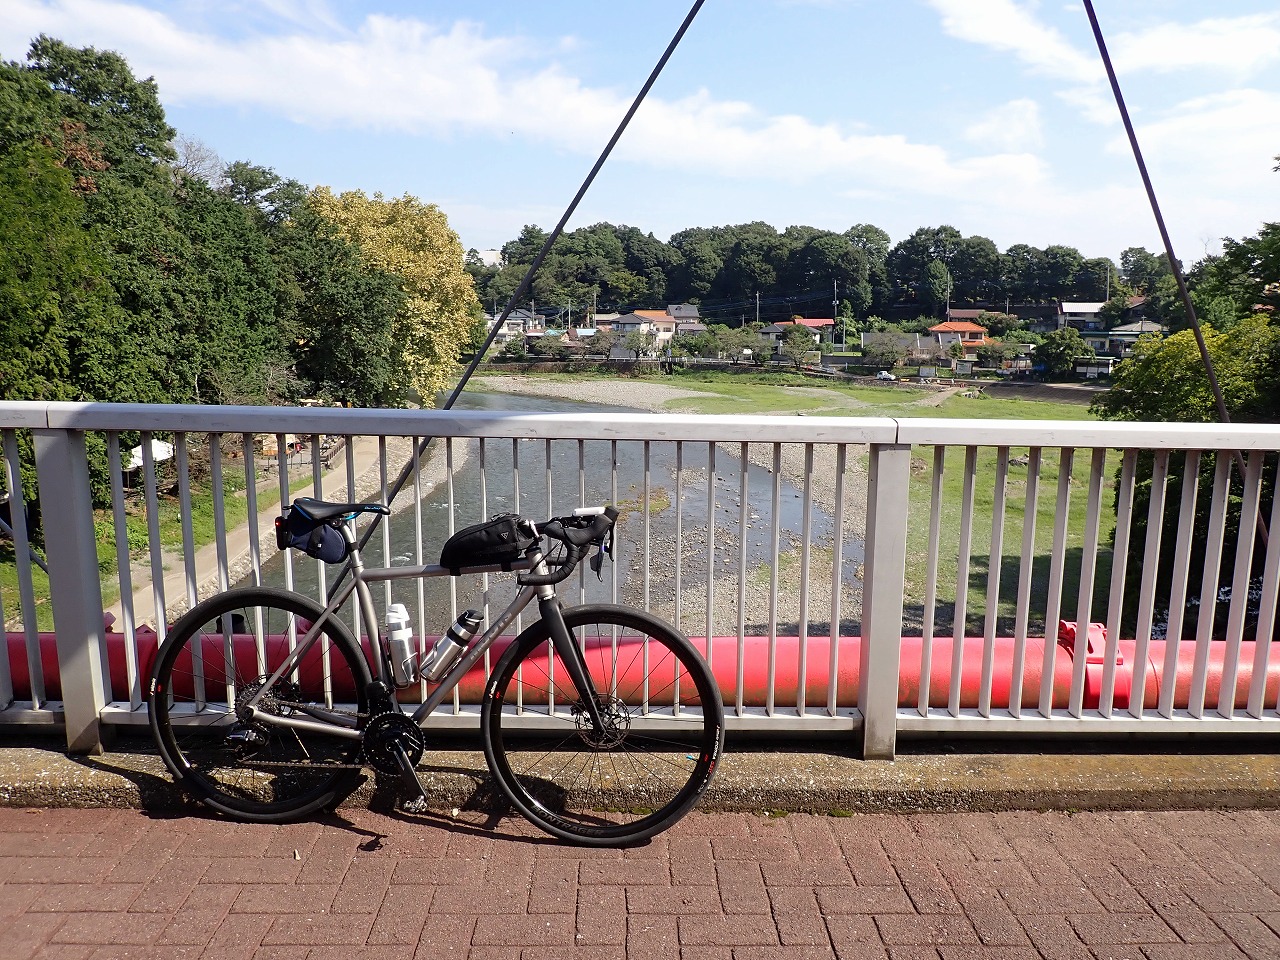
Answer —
384 733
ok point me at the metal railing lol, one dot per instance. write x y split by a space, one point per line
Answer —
851 576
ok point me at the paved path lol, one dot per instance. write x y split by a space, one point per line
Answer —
1005 886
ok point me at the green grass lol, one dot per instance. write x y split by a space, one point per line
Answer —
920 498
169 514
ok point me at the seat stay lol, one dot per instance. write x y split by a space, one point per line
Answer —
304 644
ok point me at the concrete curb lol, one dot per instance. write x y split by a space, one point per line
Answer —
40 775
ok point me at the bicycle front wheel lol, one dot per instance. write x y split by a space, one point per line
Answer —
217 657
661 740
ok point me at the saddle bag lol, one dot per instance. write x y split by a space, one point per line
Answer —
315 538
496 542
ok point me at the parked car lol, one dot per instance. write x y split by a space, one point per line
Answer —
885 375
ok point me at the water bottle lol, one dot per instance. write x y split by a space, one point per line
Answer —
449 648
404 664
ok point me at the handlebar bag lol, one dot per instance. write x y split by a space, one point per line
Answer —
496 542
315 538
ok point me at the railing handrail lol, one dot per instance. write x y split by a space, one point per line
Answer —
637 426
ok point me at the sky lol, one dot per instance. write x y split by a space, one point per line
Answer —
993 116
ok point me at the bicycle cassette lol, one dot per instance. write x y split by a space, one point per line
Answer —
385 732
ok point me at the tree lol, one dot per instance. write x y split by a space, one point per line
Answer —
1247 274
1001 324
975 268
640 342
796 343
603 342
883 349
1164 379
1058 353
1094 280
935 290
55 306
120 113
1060 267
1140 268
1024 271
412 240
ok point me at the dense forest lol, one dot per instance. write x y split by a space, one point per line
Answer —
752 271
136 266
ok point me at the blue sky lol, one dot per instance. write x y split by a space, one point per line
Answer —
989 115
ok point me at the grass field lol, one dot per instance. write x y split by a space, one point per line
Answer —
749 394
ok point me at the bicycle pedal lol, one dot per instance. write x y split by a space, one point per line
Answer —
415 805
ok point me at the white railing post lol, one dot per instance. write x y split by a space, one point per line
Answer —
66 509
888 480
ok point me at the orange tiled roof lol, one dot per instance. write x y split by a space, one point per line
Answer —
957 326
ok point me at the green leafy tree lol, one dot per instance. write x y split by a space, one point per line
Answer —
1024 271
935 288
796 343
1001 324
1141 268
1164 379
883 348
56 309
1058 352
121 114
641 343
412 240
1246 274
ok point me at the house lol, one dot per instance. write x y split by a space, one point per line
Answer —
1082 316
684 312
690 326
913 346
819 328
638 320
513 326
968 334
1119 341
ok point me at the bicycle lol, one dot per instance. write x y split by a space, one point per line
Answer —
602 724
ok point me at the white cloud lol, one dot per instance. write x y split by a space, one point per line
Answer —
406 75
1238 45
1009 27
1011 126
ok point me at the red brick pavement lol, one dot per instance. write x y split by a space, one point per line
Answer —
107 884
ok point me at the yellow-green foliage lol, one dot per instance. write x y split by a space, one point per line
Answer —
413 240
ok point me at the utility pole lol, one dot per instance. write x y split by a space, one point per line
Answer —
835 311
757 306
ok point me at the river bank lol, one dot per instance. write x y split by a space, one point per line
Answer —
692 609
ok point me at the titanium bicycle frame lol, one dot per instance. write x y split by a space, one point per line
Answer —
340 725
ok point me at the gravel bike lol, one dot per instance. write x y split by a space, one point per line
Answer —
602 724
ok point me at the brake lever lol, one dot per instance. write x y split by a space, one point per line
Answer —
597 559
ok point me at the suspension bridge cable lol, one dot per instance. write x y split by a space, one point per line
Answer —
407 470
1174 264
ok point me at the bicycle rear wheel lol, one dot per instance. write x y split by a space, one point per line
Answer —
219 655
664 728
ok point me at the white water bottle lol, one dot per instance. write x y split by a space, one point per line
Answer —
404 662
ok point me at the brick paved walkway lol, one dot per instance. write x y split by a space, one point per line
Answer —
1006 886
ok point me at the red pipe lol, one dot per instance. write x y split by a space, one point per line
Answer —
756 658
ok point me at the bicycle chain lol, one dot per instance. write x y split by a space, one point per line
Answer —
302 764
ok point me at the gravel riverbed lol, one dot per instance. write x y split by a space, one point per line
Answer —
727 609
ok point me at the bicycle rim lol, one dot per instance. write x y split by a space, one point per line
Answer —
664 728
215 658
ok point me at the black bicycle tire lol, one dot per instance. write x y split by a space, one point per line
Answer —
327 792
705 761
